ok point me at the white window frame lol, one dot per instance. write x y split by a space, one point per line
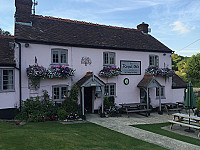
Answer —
109 90
2 80
60 51
60 92
109 57
162 93
155 60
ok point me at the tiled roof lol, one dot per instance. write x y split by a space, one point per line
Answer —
85 78
144 82
58 31
6 52
177 82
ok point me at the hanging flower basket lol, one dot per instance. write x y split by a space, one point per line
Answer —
35 73
109 71
165 72
59 72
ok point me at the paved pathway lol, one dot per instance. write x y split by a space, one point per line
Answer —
121 124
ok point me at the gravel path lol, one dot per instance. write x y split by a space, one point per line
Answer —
121 124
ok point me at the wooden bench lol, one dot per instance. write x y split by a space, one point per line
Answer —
135 108
171 107
184 124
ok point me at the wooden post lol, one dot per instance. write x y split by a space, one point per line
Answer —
93 98
160 99
102 98
83 107
147 98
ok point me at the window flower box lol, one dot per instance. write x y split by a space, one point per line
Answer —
165 72
57 71
36 72
109 71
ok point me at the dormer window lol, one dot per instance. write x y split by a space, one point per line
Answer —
108 58
153 60
59 56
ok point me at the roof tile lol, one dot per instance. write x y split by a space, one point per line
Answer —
77 33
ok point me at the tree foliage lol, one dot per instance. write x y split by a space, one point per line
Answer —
193 68
179 65
3 32
178 62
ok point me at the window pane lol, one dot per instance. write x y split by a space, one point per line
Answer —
162 91
151 60
105 58
112 58
55 56
106 90
63 92
63 57
156 61
157 91
112 90
8 83
56 93
5 72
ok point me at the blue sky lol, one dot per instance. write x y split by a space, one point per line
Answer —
176 23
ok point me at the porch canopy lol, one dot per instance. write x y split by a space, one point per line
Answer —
150 82
90 80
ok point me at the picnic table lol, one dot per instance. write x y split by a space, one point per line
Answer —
171 107
183 120
182 105
135 108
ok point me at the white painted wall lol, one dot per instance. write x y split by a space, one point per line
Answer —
178 95
10 99
124 93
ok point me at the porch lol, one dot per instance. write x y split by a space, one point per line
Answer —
90 85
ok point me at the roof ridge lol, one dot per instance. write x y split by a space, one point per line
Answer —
83 22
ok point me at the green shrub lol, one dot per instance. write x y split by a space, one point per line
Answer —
70 104
34 110
62 114
74 93
43 108
198 104
108 102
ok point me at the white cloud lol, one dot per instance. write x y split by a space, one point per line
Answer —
180 27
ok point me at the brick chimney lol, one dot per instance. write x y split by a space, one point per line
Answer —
143 27
23 11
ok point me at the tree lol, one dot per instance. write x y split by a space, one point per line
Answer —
3 32
193 68
175 60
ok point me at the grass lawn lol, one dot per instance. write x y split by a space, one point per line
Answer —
156 128
54 135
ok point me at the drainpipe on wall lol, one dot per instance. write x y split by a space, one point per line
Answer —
20 79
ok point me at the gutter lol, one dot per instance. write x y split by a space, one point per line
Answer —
20 79
91 46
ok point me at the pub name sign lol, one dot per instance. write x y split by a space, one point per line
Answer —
130 67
